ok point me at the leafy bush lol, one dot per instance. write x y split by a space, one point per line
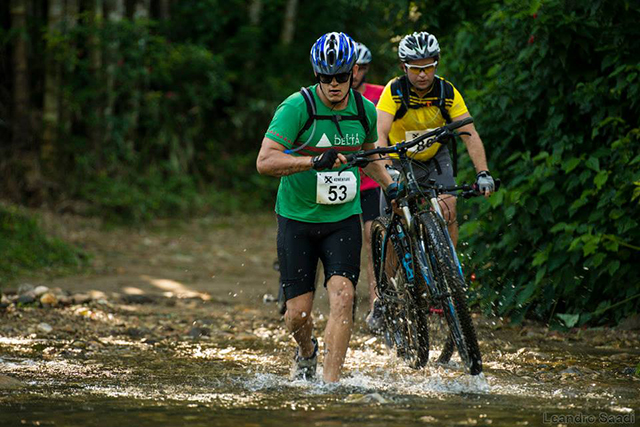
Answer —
554 89
140 145
26 250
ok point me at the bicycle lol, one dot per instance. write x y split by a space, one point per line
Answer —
417 270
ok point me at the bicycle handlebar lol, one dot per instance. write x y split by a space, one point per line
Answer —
467 190
360 158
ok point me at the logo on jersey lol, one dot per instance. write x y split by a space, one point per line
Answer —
349 139
324 141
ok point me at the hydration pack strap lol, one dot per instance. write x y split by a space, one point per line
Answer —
400 87
335 118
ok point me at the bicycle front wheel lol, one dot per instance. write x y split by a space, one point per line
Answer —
405 325
453 301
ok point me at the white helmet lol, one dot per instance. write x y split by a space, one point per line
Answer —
418 46
363 54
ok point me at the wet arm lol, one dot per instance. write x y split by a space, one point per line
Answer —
272 160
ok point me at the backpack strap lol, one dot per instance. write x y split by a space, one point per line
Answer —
311 110
446 92
362 115
400 87
335 118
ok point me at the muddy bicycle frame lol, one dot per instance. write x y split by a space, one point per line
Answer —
411 191
412 250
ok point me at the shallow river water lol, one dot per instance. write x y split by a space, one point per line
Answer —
244 381
217 355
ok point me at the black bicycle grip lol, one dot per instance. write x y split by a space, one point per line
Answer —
460 123
350 157
356 159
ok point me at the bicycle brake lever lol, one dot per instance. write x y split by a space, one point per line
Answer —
463 133
359 162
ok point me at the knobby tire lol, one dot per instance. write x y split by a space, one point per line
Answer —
405 322
449 280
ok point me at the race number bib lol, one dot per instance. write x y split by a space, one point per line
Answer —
334 189
413 134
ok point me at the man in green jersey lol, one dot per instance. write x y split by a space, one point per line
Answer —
318 202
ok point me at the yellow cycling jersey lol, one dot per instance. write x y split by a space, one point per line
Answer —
423 112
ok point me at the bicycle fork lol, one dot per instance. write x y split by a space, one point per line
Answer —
438 293
436 207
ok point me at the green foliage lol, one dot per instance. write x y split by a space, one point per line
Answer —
147 138
554 89
165 118
26 250
174 111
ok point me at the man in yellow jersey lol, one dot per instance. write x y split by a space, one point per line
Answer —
419 101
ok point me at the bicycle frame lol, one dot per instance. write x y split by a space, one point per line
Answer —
426 266
400 239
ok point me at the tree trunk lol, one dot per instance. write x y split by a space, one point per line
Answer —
95 57
70 21
142 9
165 9
21 90
52 84
288 28
114 10
255 11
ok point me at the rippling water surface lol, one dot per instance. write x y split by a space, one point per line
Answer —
246 383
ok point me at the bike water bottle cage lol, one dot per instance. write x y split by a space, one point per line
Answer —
335 118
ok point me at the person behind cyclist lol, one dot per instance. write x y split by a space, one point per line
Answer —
369 188
370 91
318 204
419 101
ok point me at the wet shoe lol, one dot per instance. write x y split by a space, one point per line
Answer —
304 368
374 319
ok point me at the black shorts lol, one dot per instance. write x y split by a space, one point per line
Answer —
370 202
301 244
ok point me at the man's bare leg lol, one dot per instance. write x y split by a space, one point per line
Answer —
300 322
338 331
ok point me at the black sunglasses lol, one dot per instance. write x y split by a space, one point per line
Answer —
328 78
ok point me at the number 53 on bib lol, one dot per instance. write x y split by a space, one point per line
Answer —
335 188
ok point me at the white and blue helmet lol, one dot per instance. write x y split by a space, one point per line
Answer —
333 53
363 54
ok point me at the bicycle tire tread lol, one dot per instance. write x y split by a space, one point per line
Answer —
456 287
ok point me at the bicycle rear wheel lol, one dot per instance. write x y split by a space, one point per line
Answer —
405 325
454 301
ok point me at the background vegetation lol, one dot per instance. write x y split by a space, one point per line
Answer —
25 248
137 109
555 89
